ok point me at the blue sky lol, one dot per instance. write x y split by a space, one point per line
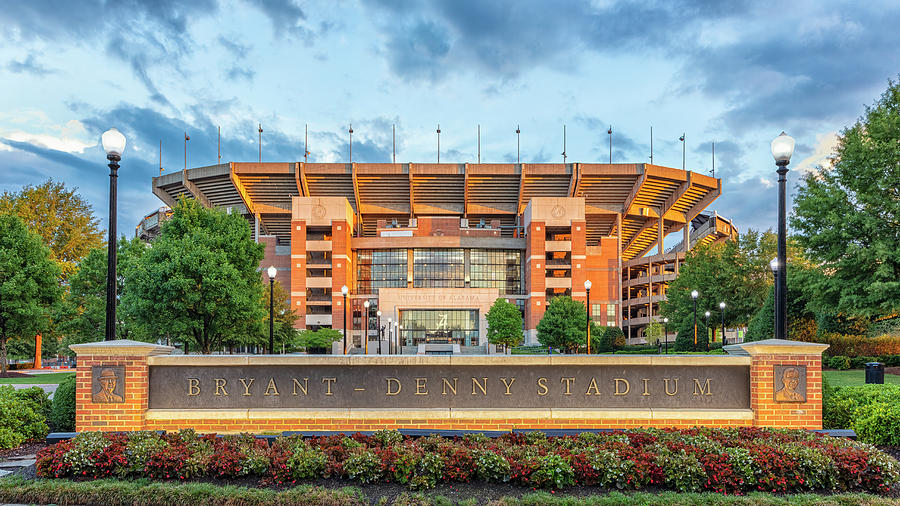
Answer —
737 73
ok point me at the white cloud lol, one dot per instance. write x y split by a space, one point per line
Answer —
821 157
70 138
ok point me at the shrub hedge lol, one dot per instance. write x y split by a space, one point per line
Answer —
23 415
873 411
62 414
732 460
859 345
843 363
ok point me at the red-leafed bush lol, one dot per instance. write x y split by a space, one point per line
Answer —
729 461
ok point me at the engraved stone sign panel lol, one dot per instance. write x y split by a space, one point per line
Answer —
107 384
449 386
790 383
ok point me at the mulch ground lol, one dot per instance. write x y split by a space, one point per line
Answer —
892 370
14 374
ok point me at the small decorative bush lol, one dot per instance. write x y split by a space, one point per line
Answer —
23 415
867 409
860 346
364 466
62 413
731 461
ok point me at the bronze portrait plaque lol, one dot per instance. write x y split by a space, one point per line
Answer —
790 383
500 386
107 384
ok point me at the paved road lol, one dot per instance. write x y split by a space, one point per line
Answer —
47 388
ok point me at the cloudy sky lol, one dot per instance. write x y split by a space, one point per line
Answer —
737 73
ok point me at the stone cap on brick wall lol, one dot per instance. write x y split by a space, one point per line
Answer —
121 347
775 347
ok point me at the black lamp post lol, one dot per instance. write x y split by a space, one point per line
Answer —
366 333
722 308
694 295
272 271
706 330
380 329
666 326
587 288
400 339
782 149
114 144
344 292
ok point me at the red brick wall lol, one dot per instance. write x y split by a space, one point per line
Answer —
534 275
298 270
284 424
799 415
126 416
341 273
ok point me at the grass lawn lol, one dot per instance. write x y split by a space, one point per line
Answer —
855 377
145 492
38 379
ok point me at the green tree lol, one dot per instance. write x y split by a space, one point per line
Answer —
61 217
563 325
655 331
800 307
82 314
504 324
734 272
318 339
29 283
848 218
684 341
199 281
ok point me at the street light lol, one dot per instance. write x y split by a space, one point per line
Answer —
390 341
722 308
344 292
694 295
773 264
272 271
706 331
114 144
587 288
666 324
397 348
782 149
366 333
400 338
379 328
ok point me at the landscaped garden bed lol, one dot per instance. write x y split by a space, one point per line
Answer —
729 461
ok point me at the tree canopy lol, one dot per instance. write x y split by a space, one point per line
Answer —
82 314
29 283
200 281
504 324
563 325
61 217
847 216
735 272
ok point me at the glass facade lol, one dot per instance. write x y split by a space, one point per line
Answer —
439 268
439 326
500 269
385 268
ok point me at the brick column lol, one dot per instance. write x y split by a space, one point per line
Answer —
112 383
785 382
298 271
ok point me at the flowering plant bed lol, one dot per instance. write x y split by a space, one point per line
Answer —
731 461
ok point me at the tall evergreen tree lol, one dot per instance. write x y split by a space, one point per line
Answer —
29 283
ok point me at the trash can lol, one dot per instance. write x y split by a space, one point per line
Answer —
874 373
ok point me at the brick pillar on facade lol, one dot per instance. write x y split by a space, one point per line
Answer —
298 271
535 273
340 273
774 399
579 261
112 384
